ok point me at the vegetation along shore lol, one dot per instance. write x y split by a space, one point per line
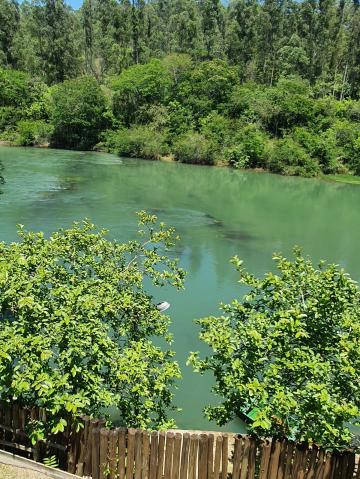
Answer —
249 85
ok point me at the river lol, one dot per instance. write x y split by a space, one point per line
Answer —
218 213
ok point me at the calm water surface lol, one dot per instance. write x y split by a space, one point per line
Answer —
217 212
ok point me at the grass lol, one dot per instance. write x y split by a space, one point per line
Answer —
11 472
350 179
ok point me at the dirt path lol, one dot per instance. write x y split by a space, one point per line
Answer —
12 472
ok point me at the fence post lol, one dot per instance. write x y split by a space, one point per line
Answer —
161 455
184 467
130 454
83 441
103 456
169 451
145 455
177 456
121 452
225 456
95 453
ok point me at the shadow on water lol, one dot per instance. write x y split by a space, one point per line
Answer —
2 179
239 236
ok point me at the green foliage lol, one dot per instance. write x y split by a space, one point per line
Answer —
208 86
194 148
237 157
137 141
137 86
78 326
215 127
32 133
9 116
291 348
9 21
15 88
180 119
78 113
289 158
51 461
253 143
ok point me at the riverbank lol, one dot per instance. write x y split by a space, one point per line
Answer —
349 179
340 178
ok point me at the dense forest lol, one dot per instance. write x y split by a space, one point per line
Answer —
272 84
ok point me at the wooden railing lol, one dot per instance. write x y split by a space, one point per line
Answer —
101 453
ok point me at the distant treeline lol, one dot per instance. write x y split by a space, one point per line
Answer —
316 39
270 85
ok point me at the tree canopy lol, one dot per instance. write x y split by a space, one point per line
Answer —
78 327
289 351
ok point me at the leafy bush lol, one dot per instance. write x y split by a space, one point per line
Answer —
322 147
137 141
180 119
137 86
289 158
9 116
194 148
291 349
215 127
253 143
208 87
237 157
286 106
14 88
77 325
32 132
78 113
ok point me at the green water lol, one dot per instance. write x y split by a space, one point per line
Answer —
217 212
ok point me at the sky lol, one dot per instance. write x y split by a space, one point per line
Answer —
75 3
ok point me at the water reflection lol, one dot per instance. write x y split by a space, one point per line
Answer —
2 179
217 212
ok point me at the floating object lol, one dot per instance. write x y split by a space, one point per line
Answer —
250 416
163 306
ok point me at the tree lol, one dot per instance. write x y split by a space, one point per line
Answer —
208 86
9 23
138 86
292 58
185 22
78 113
77 325
291 349
354 48
213 25
242 35
50 33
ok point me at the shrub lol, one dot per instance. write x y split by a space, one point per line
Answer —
32 133
137 86
237 157
289 158
78 113
215 127
253 142
78 325
9 116
138 142
194 148
180 119
290 349
322 147
208 87
14 88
